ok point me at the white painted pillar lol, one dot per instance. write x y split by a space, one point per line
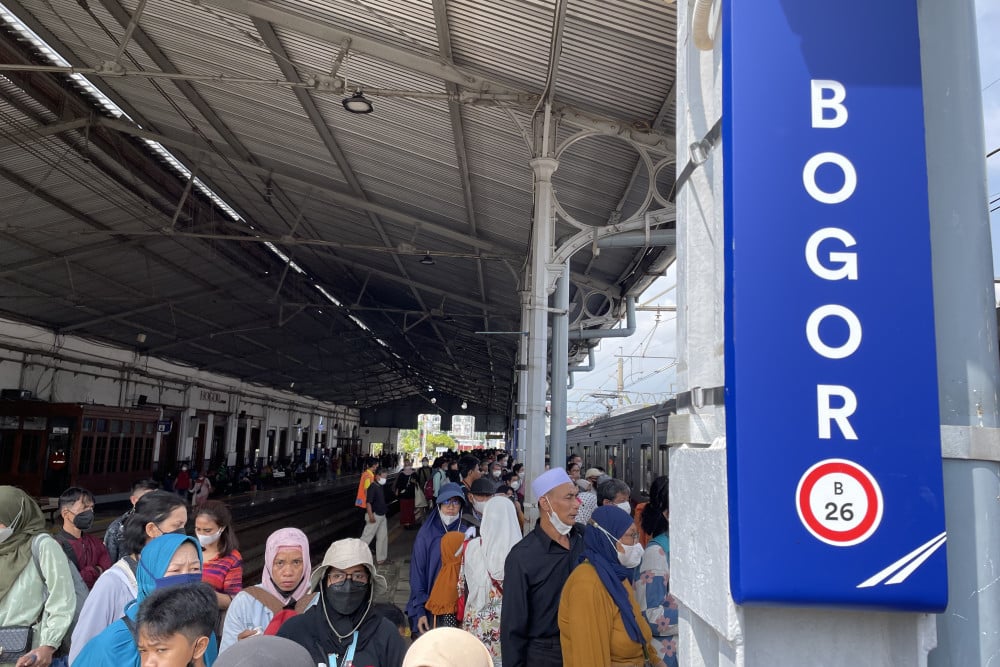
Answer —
538 318
714 631
229 453
207 452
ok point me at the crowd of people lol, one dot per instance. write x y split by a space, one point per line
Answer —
587 586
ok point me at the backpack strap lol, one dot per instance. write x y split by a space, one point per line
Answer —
304 603
265 598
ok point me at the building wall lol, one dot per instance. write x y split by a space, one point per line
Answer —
57 368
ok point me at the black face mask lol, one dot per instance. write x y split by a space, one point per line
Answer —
84 520
347 596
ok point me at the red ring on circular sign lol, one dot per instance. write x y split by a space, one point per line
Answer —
852 471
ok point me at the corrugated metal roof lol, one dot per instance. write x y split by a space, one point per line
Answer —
389 187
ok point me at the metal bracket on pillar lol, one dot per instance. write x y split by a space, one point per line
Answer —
973 443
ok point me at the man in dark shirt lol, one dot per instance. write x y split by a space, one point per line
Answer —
84 551
534 574
375 523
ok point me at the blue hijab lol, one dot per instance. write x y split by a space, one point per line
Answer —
115 647
599 549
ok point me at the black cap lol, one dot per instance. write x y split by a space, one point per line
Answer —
483 487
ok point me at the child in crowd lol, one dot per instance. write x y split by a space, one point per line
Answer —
175 624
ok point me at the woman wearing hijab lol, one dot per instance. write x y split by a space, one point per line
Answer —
168 560
442 603
482 571
284 586
156 513
23 586
341 628
599 619
425 561
447 647
652 588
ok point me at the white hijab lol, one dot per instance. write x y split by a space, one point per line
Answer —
485 556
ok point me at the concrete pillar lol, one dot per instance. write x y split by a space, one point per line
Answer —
966 332
538 320
229 453
188 428
209 433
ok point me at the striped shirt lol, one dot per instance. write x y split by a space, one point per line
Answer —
225 573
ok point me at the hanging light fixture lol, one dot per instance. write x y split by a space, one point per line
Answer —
357 103
427 260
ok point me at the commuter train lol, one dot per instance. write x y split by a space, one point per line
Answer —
631 446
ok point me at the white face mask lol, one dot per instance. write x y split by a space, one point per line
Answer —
625 506
447 520
515 485
381 481
6 532
561 528
208 540
632 556
480 505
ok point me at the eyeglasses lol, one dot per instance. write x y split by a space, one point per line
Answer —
452 501
341 577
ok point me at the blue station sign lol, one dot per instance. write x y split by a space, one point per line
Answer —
833 434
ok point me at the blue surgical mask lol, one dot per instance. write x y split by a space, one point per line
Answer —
178 580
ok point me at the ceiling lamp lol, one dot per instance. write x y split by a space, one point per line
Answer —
427 260
357 103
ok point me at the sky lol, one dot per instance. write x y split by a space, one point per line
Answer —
649 355
988 22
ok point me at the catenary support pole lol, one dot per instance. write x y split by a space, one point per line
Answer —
966 332
560 369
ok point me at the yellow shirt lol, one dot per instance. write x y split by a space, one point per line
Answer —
367 477
591 630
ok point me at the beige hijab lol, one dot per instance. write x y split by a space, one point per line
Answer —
447 647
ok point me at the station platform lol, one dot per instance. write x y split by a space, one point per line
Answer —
397 570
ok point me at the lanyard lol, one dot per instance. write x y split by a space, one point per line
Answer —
348 657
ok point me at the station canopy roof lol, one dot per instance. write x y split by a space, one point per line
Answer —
183 177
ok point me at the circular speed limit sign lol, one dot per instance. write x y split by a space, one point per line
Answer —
839 502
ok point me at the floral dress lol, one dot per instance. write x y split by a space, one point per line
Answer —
652 589
484 623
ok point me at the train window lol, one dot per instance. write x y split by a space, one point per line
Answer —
7 450
612 463
663 460
100 453
150 428
147 457
31 444
86 453
116 426
113 446
10 422
646 464
101 426
127 454
126 427
88 424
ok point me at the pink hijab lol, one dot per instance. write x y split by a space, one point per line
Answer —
282 538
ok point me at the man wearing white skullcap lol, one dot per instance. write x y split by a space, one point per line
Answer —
534 574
